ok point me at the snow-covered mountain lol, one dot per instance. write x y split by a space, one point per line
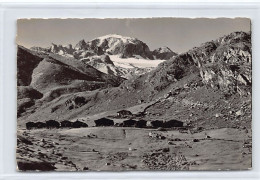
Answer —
129 56
114 44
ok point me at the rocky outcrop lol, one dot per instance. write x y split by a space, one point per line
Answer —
102 63
226 63
61 50
223 64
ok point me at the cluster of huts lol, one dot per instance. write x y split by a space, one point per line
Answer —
104 122
150 124
50 124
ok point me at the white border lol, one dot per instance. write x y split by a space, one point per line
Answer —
10 12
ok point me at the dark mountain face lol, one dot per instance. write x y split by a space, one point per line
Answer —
26 62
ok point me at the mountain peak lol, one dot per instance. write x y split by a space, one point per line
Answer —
163 52
80 45
114 36
163 49
82 41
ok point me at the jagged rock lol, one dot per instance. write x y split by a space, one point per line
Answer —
81 45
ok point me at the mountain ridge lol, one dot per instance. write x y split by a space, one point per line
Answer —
112 44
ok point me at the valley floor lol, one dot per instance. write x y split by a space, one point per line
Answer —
125 148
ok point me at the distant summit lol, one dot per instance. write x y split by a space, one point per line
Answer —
81 45
163 53
114 44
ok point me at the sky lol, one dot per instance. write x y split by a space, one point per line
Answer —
179 34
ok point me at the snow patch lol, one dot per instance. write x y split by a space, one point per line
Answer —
133 62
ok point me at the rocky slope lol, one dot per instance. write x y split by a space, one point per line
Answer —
223 64
47 76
